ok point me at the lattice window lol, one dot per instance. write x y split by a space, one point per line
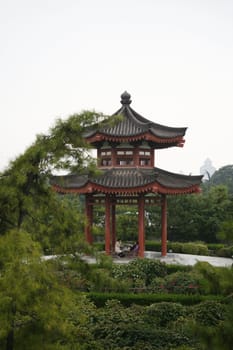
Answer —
144 161
122 153
124 161
106 162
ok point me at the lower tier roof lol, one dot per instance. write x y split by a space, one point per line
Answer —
128 181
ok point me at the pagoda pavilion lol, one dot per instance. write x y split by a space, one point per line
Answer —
129 175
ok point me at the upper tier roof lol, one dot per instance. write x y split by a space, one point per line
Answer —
134 127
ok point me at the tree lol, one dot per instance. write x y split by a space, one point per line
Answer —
199 218
64 148
225 233
223 176
26 197
36 312
215 209
126 223
184 218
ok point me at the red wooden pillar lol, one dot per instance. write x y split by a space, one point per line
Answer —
136 156
114 157
152 158
164 226
89 220
141 226
113 226
107 225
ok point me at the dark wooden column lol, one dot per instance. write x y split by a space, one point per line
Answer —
107 225
141 226
113 226
114 157
152 158
89 219
164 226
136 157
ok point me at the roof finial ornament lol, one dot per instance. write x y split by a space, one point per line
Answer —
125 98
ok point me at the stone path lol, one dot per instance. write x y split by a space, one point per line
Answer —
173 258
188 259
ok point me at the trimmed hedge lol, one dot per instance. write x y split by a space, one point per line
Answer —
153 246
172 268
215 246
126 299
99 246
225 252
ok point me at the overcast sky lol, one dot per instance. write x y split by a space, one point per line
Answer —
175 58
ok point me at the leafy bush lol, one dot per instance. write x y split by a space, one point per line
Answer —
116 327
99 246
163 313
178 283
195 248
140 270
172 268
189 248
225 252
209 313
101 281
104 261
153 246
176 247
73 280
216 280
183 283
215 246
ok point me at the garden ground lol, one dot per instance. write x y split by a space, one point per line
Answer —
174 258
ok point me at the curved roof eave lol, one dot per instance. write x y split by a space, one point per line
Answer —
147 136
133 124
128 181
156 188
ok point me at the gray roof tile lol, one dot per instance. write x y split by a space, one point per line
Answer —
129 178
133 124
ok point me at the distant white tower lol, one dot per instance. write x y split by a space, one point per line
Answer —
207 169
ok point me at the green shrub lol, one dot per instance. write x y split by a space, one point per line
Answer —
225 252
189 248
195 248
154 246
183 283
215 246
176 268
229 299
140 270
99 246
209 313
176 247
163 313
73 280
216 280
158 285
104 261
101 281
178 283
202 249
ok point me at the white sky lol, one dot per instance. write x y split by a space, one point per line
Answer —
175 58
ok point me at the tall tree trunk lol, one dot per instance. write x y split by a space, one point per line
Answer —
10 340
21 213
